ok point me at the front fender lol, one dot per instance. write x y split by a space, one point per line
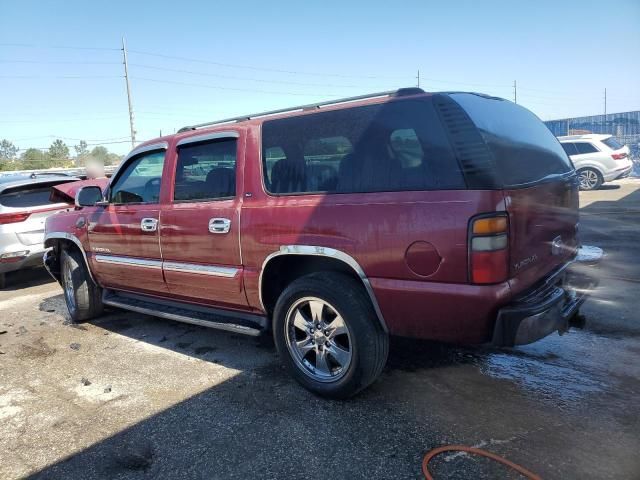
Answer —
65 229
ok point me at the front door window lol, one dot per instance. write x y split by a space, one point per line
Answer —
140 180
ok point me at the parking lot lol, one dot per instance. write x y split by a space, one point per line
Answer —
131 396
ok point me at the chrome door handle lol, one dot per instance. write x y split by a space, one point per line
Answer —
219 225
149 224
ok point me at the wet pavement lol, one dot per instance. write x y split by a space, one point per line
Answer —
128 396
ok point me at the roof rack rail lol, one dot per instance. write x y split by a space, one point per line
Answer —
390 93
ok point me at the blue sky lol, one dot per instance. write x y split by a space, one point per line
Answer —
252 56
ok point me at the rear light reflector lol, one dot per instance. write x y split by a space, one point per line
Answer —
489 249
619 156
6 218
13 256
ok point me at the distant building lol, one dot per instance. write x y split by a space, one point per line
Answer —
624 126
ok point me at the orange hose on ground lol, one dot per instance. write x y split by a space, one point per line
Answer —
476 451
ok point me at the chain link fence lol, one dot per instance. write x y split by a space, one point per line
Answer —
625 127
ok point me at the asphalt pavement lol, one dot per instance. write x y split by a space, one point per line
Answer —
129 396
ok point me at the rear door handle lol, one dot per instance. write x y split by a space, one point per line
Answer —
149 224
219 225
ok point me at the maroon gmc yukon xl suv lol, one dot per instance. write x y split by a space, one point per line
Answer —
446 216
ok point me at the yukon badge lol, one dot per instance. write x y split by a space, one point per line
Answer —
557 246
526 261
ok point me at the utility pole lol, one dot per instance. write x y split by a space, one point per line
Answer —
515 92
418 77
605 112
126 78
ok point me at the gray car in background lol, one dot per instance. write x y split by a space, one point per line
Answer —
24 206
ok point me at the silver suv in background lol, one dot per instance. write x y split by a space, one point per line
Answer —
24 206
597 158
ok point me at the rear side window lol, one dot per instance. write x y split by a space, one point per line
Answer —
523 148
206 171
395 146
570 148
27 196
584 147
612 143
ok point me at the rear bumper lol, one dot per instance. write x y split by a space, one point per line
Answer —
32 259
549 307
619 173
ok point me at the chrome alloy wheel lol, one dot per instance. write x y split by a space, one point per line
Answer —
318 339
68 287
588 179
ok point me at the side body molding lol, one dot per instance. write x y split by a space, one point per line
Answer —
72 238
330 253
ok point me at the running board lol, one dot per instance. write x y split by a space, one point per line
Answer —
237 322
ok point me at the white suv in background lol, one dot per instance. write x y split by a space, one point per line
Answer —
25 204
597 158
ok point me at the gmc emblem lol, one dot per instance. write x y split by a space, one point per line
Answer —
557 246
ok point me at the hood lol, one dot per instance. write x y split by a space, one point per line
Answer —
66 192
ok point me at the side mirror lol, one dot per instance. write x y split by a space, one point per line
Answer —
88 196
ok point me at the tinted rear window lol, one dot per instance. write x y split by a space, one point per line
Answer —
570 148
523 148
612 143
584 147
394 146
27 196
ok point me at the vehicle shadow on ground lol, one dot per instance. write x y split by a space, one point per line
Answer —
609 186
29 277
225 348
262 424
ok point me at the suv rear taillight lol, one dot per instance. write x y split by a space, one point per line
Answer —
619 156
489 249
13 217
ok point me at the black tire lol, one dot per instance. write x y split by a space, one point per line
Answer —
82 296
368 343
590 179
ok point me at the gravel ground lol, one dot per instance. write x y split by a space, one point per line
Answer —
132 397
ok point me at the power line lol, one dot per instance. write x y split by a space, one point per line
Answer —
55 119
454 82
88 145
61 137
59 62
217 87
24 77
63 47
559 92
262 69
558 99
232 77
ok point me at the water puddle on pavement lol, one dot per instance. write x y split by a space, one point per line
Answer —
566 368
